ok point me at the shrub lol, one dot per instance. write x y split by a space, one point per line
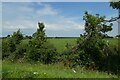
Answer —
8 47
10 43
45 54
20 51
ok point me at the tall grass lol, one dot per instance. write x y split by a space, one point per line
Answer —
37 70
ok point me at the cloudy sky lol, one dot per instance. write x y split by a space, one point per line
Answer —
60 18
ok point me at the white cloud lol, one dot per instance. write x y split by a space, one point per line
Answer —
64 24
26 17
47 10
22 24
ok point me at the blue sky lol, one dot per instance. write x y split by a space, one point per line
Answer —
60 18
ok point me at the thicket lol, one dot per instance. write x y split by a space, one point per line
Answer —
37 49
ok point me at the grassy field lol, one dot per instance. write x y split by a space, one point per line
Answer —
61 43
37 70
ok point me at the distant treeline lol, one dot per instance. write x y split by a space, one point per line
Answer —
61 37
57 37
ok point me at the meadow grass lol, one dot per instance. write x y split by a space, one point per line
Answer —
60 43
37 70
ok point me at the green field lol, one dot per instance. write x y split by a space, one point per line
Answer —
37 70
61 43
58 70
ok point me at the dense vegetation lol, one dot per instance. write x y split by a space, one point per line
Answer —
37 48
38 70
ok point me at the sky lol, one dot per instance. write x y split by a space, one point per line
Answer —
61 19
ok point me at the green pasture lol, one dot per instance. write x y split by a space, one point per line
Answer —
60 43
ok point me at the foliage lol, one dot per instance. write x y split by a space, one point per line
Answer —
17 37
92 50
39 49
9 45
115 5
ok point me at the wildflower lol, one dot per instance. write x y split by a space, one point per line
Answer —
73 70
35 72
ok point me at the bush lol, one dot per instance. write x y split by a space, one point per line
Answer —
20 51
111 62
8 47
10 43
39 49
45 54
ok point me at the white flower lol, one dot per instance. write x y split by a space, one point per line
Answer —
35 72
73 70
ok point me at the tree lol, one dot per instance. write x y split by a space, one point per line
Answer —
39 36
94 26
39 49
91 44
17 37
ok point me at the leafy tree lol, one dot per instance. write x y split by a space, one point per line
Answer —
17 37
90 46
39 49
39 37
